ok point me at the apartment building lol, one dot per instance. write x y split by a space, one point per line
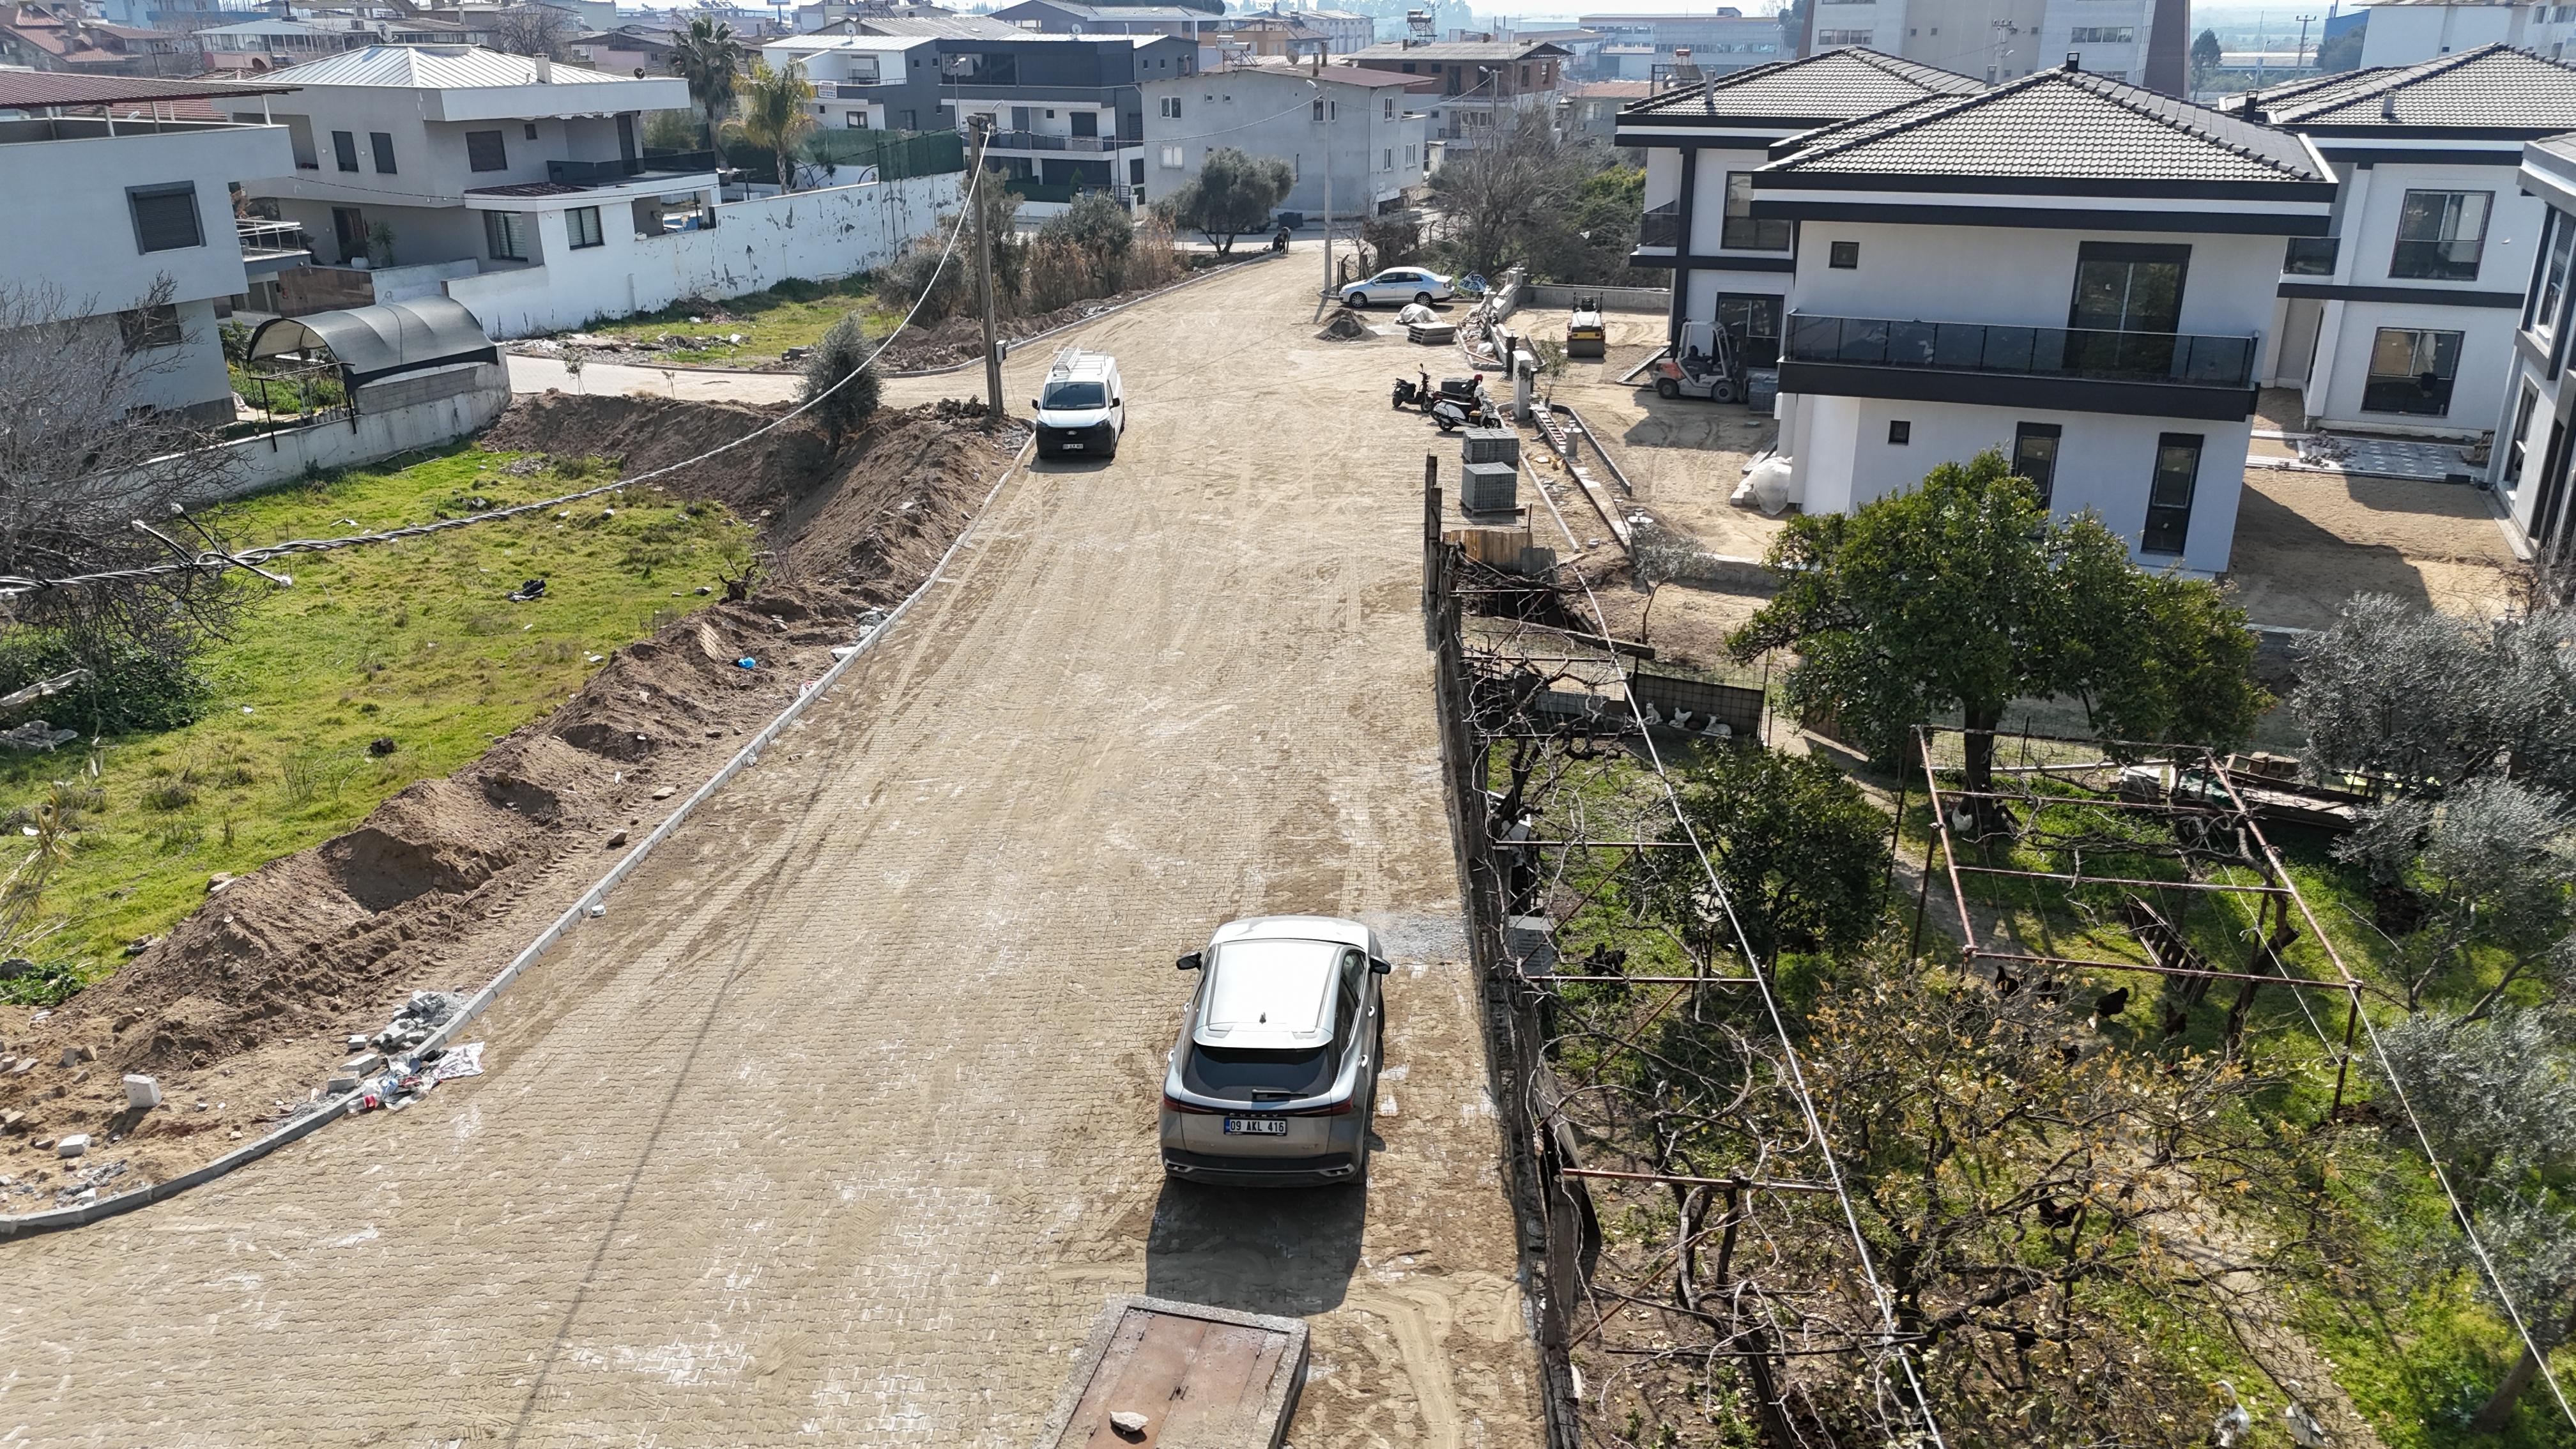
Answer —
2402 318
1478 87
1359 130
1702 144
2529 465
1068 111
521 189
62 37
2144 42
1721 40
2070 268
867 82
2408 32
130 202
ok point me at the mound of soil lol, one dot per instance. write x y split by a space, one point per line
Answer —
247 1004
1345 325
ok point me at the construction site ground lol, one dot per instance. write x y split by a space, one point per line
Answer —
840 1122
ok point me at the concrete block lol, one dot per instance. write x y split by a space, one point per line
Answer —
1491 445
1491 488
363 1063
141 1092
73 1145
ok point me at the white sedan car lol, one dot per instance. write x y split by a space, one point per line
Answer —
1399 284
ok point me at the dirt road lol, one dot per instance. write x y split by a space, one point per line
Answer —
839 1125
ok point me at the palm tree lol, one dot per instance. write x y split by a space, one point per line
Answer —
710 59
776 114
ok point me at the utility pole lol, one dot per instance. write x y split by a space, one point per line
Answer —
984 266
1328 215
2299 58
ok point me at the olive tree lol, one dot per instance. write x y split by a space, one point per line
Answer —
1965 595
1234 193
2432 701
1799 850
840 380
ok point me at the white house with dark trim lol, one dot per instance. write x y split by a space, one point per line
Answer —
2402 318
1704 141
2528 468
2070 268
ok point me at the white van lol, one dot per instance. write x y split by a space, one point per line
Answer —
1080 409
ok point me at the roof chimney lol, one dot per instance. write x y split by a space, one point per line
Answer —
2074 60
2388 105
545 70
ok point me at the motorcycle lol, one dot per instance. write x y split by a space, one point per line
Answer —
1406 393
1450 414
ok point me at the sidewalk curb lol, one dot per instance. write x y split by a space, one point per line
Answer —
1008 343
332 1109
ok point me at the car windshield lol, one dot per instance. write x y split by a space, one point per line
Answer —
1245 1075
1075 395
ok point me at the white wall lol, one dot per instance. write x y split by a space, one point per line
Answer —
2018 276
74 228
2105 462
815 234
2373 199
2405 34
422 410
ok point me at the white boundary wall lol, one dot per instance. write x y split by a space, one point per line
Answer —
832 232
399 415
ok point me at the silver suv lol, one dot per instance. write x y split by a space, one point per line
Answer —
1275 1076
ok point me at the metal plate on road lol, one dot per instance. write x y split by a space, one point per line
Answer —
1256 1126
1204 1378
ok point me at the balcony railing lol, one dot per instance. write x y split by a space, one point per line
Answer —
1755 234
1042 141
2310 256
2072 352
272 236
610 173
1662 226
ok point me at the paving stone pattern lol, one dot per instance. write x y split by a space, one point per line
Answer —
838 1127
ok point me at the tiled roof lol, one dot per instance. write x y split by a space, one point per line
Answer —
1834 86
432 67
2062 123
2494 87
34 89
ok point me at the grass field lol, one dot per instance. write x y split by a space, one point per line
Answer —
413 641
792 314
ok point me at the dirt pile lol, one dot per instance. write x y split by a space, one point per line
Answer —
1345 325
249 1001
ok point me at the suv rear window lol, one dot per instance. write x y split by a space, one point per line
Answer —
1239 1075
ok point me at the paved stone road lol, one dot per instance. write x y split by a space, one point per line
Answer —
839 1126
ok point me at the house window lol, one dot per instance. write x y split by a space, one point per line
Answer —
2169 496
2035 456
1172 158
1386 162
1843 255
581 224
1172 107
2102 35
1842 37
2128 287
530 129
1900 433
383 145
1319 110
484 152
2552 289
165 217
1743 231
344 149
349 230
855 120
2411 372
506 235
2521 427
1390 108
144 327
2439 235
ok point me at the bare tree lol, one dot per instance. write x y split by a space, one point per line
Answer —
94 471
537 30
1514 191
